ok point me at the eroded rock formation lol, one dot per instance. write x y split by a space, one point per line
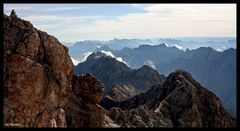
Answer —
39 87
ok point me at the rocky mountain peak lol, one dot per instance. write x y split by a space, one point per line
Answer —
40 89
180 76
110 71
146 69
96 55
16 21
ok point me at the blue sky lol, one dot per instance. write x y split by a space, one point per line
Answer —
75 22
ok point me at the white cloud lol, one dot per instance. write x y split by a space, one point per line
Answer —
75 61
61 19
20 7
61 9
109 53
39 7
177 21
179 47
159 20
135 5
221 49
175 45
85 56
166 44
150 63
140 5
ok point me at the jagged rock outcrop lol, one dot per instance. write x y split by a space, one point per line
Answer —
179 102
121 93
118 94
191 105
109 123
138 117
82 109
39 87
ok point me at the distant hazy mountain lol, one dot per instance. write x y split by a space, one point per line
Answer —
217 43
112 72
213 69
148 54
81 48
117 44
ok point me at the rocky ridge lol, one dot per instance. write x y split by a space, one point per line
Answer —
179 102
121 93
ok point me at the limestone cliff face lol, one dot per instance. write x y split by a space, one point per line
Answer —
39 86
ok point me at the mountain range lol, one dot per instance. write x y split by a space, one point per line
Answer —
216 70
213 69
79 49
168 103
42 88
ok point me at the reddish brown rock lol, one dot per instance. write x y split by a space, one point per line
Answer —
38 82
82 108
51 118
37 71
87 87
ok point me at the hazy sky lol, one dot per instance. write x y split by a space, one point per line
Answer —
75 22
